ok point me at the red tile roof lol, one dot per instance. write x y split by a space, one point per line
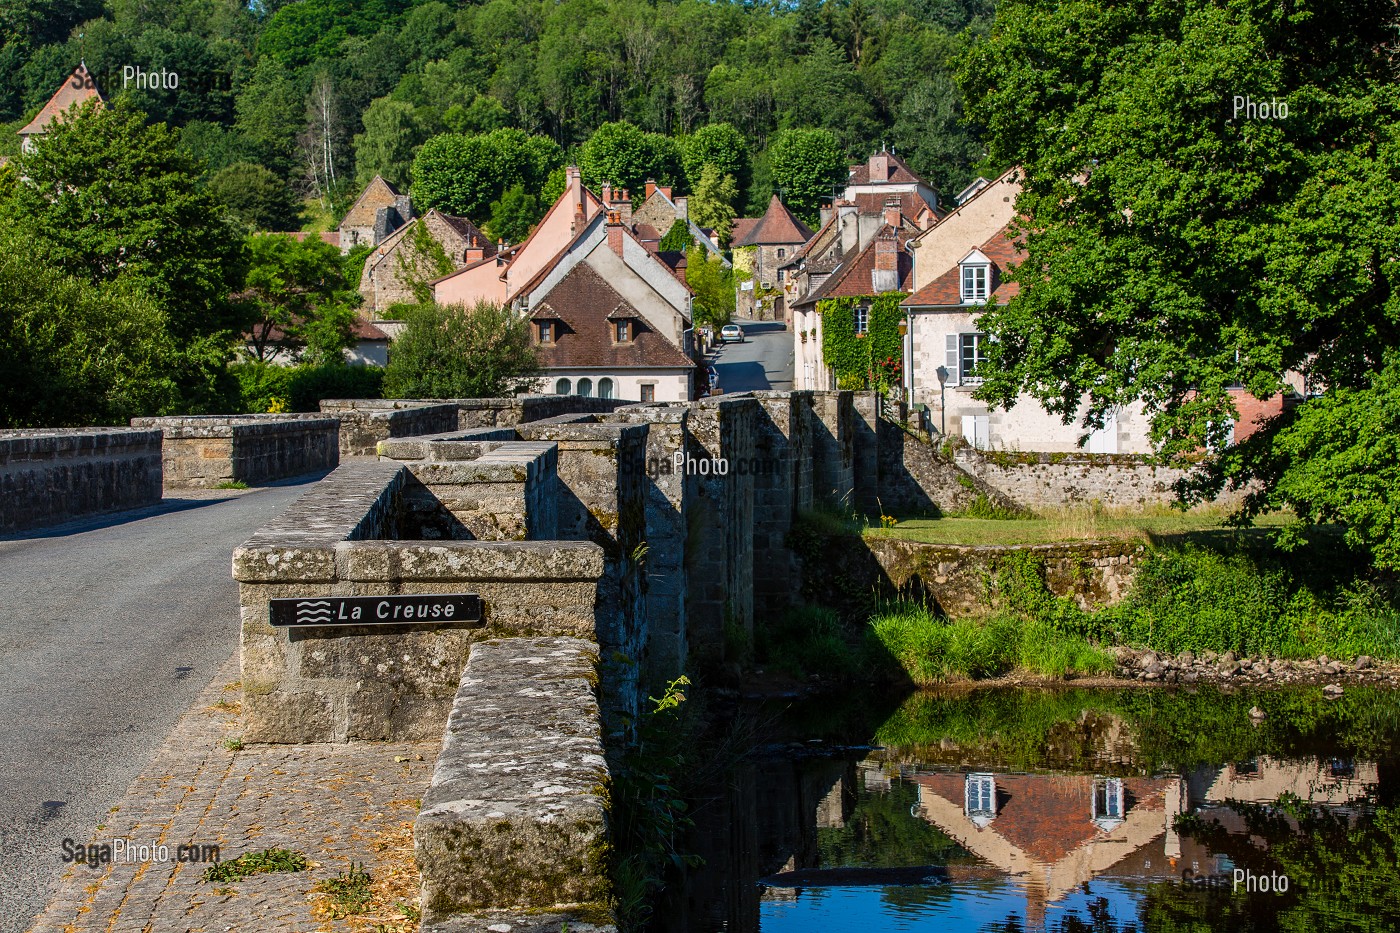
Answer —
853 277
777 227
77 88
584 302
898 173
741 228
946 290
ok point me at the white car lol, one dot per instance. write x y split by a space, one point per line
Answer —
731 333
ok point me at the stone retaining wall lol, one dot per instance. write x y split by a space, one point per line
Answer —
516 816
366 422
205 451
1040 480
51 476
961 580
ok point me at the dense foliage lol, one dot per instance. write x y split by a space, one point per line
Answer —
863 360
326 93
1178 245
264 387
482 351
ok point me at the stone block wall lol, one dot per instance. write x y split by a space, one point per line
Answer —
366 422
866 442
51 476
395 682
833 448
916 478
1039 480
506 412
515 818
782 483
204 451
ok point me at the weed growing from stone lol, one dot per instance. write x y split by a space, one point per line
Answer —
256 863
349 891
232 484
234 744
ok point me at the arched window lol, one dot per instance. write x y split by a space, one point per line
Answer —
585 387
605 388
562 387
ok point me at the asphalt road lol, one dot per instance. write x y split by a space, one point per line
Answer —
762 361
109 628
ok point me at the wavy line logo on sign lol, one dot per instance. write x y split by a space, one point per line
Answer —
417 609
315 612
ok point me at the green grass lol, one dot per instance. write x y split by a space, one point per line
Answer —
232 484
256 863
931 650
1068 525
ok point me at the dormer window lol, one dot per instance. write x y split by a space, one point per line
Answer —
546 332
976 277
980 799
622 331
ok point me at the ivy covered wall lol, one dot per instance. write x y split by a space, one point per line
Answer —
872 360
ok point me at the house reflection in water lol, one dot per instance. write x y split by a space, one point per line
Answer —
1055 832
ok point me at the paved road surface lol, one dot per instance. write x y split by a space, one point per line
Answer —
109 629
762 361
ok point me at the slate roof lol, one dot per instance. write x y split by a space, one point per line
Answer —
899 173
946 290
584 302
777 227
467 230
66 96
853 277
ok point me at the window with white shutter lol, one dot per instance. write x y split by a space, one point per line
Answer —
951 360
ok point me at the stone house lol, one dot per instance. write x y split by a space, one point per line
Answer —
771 240
377 213
389 270
660 209
77 89
871 184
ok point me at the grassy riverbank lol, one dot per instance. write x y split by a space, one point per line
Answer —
1156 524
1197 591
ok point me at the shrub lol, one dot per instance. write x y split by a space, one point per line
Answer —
264 387
452 352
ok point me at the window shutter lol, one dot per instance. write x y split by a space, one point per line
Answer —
952 361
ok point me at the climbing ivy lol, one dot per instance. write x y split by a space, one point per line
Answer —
871 360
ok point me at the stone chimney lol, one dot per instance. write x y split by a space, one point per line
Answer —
622 203
849 223
880 167
827 210
615 232
892 212
885 278
573 189
683 208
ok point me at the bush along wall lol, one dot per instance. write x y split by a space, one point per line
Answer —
869 360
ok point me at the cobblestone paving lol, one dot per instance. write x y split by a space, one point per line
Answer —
331 803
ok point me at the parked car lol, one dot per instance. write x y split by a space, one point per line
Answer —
731 333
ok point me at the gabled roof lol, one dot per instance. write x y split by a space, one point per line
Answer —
777 227
897 173
946 290
853 277
77 88
378 193
975 197
585 302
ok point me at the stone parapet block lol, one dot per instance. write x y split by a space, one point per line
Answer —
53 475
516 816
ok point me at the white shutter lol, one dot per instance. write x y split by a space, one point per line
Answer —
952 361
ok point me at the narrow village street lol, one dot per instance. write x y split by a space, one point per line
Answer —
763 361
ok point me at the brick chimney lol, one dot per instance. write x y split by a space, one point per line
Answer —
651 187
885 278
892 212
622 203
474 253
573 189
615 232
880 167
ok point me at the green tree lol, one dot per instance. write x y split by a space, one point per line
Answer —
269 111
713 286
482 351
625 156
296 292
106 196
1176 247
805 166
720 145
393 133
254 198
712 202
513 215
79 353
463 175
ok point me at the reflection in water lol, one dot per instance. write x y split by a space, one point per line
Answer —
1066 812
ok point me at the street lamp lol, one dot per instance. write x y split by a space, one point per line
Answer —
943 400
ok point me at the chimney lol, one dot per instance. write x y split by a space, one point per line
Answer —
664 189
607 192
474 253
885 278
827 210
615 232
651 187
892 212
849 222
622 204
573 188
880 167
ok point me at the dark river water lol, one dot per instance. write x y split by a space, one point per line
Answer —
1065 810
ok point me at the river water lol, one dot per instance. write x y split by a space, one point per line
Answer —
1058 810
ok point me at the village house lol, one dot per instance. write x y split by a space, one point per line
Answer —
609 316
769 242
377 213
401 259
77 89
660 210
